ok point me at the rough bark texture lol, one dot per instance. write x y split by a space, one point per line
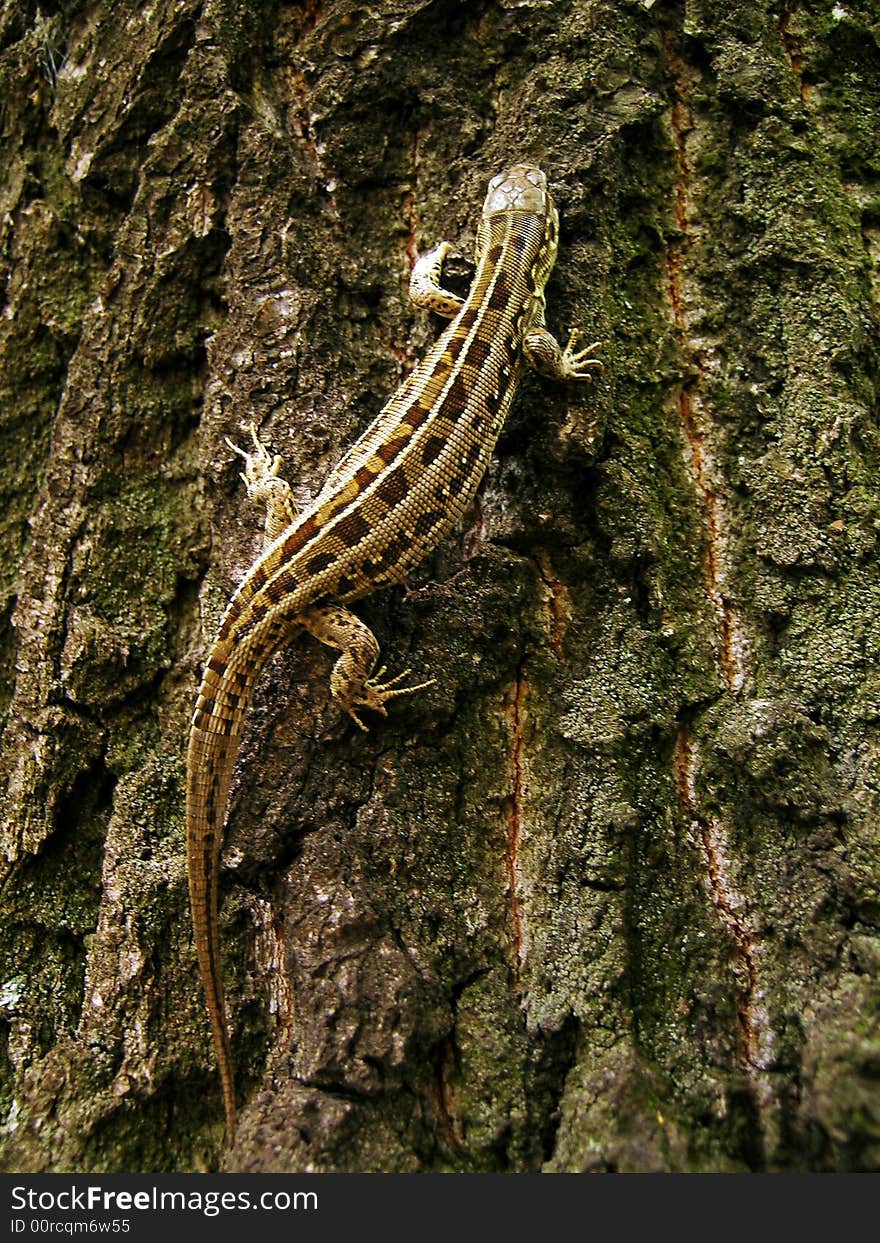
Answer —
605 897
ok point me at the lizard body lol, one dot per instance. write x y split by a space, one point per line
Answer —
395 493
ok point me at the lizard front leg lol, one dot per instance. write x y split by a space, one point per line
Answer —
353 684
265 488
547 356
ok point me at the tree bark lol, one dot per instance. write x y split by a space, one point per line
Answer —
606 896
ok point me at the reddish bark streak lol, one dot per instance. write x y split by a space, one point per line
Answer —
707 830
725 900
792 46
557 594
730 644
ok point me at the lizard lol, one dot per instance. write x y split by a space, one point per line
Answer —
391 498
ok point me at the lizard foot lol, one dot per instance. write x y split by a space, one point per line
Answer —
260 467
375 694
576 364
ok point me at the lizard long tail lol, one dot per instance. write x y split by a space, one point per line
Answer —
228 681
210 761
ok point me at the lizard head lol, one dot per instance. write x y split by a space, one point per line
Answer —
523 189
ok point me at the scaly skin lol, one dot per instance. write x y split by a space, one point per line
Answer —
393 496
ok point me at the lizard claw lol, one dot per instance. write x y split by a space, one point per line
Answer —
376 694
577 363
259 466
384 690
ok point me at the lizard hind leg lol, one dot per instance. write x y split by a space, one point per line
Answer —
353 683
